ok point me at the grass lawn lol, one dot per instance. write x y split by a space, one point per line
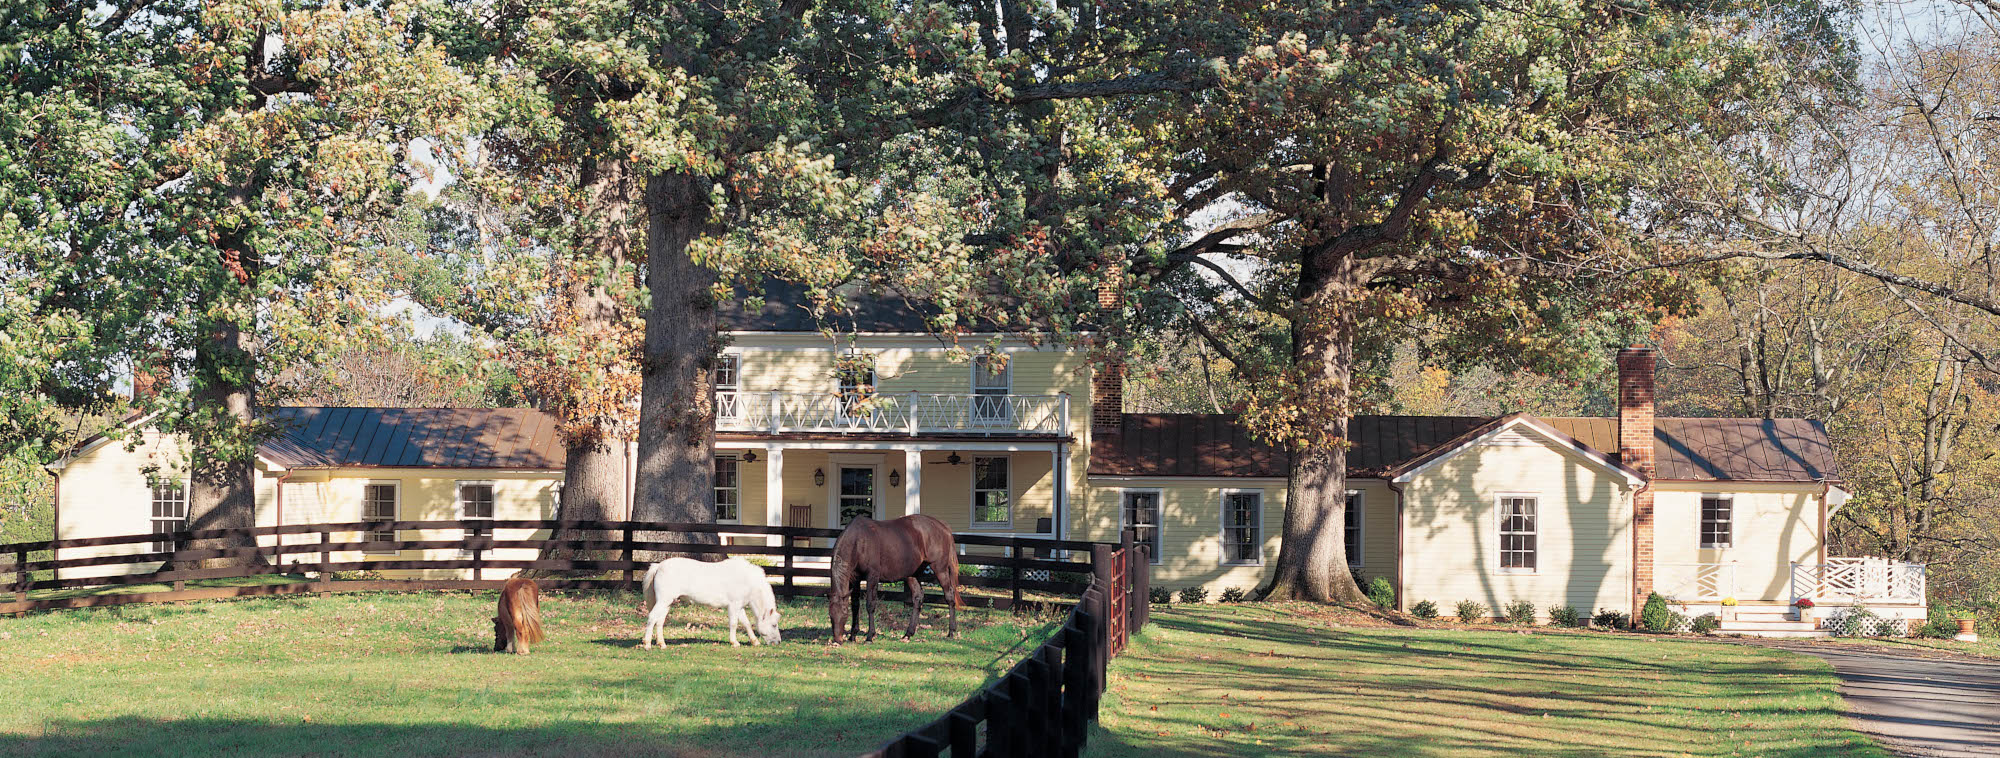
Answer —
1258 679
1988 646
413 674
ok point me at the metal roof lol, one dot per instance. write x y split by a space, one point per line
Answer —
1690 449
414 438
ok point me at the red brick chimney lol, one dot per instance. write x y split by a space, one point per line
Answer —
149 374
1107 382
1635 450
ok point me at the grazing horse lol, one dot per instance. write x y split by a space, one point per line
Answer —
520 621
730 584
887 551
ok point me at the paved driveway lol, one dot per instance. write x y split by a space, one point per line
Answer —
1916 705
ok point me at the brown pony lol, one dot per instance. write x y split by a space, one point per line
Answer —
888 551
520 621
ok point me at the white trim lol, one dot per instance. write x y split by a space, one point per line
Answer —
888 446
1551 437
1160 503
972 517
1835 498
1223 520
1176 481
1500 519
458 503
1355 559
396 509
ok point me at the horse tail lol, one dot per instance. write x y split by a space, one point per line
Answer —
523 608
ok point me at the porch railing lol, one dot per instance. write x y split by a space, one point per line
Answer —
1697 581
891 413
1859 580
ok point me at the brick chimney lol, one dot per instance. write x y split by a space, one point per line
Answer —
1107 382
1636 451
149 374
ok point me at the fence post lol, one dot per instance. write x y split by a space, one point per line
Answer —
1014 574
964 732
1003 732
22 579
325 560
1076 681
478 563
791 565
1142 585
1048 698
1023 686
1127 540
630 536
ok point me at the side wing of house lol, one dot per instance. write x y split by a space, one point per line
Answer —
1518 515
1720 539
343 495
136 485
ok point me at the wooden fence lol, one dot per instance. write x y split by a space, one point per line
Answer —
314 553
1040 707
1044 705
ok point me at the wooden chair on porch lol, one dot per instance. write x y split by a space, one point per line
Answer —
799 515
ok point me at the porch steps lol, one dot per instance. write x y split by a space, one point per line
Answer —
1761 623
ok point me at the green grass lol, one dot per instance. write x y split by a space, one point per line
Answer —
413 675
1257 679
125 589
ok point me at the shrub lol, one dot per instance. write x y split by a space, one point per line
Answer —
1656 616
1425 610
1564 615
1940 625
1160 595
1678 622
1610 619
1706 623
1857 621
1470 611
1233 595
1194 593
1521 612
1381 593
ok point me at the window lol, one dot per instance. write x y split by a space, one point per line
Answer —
727 370
1717 517
856 387
475 502
1517 533
378 503
728 491
1242 527
1141 508
170 512
1355 519
992 380
991 505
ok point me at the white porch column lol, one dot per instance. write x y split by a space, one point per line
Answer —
913 481
774 492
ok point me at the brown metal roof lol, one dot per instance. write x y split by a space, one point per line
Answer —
1693 449
414 438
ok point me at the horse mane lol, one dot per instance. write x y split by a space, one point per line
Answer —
521 610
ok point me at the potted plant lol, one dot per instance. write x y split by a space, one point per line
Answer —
1728 609
1805 606
1965 621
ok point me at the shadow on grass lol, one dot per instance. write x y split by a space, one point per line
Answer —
174 737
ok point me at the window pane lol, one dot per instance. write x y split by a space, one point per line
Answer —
988 373
990 473
725 372
727 493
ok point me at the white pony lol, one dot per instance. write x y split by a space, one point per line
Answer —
724 584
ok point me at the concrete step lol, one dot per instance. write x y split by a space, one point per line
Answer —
1777 634
1773 626
1765 617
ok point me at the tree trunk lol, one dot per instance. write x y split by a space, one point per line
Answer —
676 411
594 448
1312 559
222 491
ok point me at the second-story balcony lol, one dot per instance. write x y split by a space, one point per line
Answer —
911 413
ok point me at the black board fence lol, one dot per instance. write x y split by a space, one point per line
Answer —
1043 706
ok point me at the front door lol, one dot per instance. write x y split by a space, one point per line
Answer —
857 493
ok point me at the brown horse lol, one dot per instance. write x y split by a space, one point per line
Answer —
520 621
887 551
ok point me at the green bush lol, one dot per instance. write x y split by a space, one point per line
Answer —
1564 615
1381 593
1233 595
1656 616
1194 593
1942 624
1857 621
1160 595
1521 612
1610 619
1678 622
1706 623
1425 610
1470 611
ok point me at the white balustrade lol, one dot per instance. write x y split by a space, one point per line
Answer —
1859 580
891 413
1696 581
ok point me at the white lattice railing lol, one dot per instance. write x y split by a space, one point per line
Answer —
893 413
1859 580
1696 581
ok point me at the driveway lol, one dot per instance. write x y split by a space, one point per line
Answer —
1914 704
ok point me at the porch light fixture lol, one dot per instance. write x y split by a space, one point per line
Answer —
954 460
750 457
895 478
819 477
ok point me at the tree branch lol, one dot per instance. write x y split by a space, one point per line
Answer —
1835 259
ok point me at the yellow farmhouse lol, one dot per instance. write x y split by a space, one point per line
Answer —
1593 513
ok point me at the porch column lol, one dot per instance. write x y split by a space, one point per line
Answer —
913 481
774 492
